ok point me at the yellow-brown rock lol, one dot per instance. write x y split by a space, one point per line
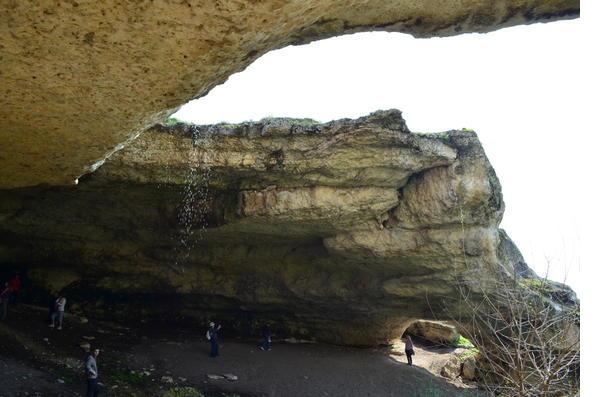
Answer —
434 331
343 232
81 79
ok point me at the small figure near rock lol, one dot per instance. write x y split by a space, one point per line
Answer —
213 336
266 338
409 349
59 312
4 297
91 372
15 288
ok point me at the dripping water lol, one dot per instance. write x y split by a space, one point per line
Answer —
192 216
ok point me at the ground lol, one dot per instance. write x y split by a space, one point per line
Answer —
149 360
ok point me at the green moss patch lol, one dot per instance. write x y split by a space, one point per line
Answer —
173 121
463 342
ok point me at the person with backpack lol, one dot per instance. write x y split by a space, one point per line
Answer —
59 312
213 336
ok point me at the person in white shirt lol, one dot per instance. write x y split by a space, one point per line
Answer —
59 312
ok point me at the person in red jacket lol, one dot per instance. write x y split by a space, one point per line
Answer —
15 288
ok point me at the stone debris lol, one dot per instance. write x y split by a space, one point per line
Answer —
230 377
451 369
85 346
469 369
297 341
214 376
167 379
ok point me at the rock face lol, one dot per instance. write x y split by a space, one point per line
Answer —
452 369
435 331
80 80
344 232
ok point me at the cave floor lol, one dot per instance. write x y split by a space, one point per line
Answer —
143 360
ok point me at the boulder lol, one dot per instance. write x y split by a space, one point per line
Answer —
452 369
166 379
434 331
469 368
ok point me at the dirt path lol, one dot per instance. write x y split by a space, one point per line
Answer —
21 379
431 357
143 360
293 370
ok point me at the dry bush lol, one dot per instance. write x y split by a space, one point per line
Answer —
528 342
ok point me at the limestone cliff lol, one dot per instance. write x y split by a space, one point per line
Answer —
80 79
344 232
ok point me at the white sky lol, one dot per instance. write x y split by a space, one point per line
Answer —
518 88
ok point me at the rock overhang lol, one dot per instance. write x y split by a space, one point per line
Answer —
303 237
81 80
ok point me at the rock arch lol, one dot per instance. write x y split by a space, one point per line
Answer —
82 80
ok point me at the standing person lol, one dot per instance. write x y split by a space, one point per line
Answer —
213 336
4 296
409 348
91 373
15 288
266 338
59 312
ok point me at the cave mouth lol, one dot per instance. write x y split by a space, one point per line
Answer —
435 333
298 227
437 347
327 220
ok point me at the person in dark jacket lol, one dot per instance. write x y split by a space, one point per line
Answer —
91 373
213 336
409 349
266 338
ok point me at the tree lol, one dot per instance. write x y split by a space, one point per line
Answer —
528 340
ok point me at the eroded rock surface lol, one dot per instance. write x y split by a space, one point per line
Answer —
81 79
344 232
434 331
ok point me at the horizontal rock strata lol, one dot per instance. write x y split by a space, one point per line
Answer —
343 232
